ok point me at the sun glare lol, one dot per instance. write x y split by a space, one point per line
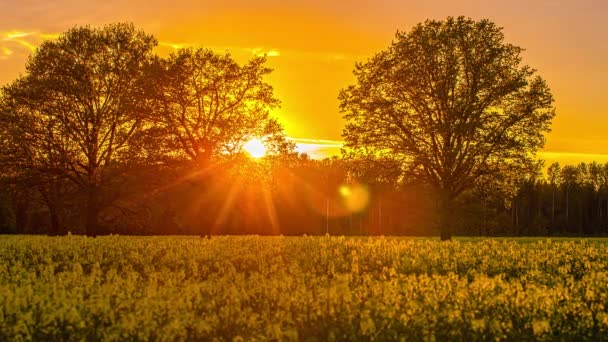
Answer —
255 148
355 197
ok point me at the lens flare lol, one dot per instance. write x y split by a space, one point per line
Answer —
354 196
344 190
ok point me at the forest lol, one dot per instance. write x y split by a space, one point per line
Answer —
101 135
570 200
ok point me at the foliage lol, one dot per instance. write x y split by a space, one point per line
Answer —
72 115
207 105
306 288
452 102
98 123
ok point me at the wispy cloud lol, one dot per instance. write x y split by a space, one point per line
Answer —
18 37
325 56
571 157
318 148
325 142
273 53
25 39
5 52
257 51
11 35
175 46
265 52
26 44
323 148
49 36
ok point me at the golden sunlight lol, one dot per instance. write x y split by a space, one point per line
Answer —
255 148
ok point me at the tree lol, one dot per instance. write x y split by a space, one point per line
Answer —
78 105
30 159
452 102
209 105
553 172
569 178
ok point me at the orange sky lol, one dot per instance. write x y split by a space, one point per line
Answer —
314 44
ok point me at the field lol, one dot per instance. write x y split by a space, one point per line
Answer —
301 288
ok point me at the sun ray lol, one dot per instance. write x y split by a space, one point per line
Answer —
271 211
227 206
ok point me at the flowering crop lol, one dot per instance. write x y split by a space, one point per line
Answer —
301 288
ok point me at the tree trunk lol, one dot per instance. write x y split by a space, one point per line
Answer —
92 208
380 216
515 228
51 199
446 215
55 219
484 218
552 211
517 233
567 210
326 216
598 224
21 214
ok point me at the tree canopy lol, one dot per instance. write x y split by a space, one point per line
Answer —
78 105
452 102
208 105
97 104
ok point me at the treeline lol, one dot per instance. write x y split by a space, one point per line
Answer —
291 194
569 200
100 135
97 110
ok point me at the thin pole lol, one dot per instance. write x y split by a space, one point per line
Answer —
327 216
380 215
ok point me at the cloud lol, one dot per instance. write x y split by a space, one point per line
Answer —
28 40
5 53
261 52
49 36
325 56
172 45
318 148
166 47
571 157
15 34
273 53
25 44
322 148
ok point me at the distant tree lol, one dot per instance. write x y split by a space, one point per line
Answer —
553 173
451 101
208 105
378 168
503 189
569 178
7 219
30 161
78 105
603 188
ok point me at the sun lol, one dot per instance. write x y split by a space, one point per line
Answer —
255 148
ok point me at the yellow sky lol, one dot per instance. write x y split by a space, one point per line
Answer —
314 44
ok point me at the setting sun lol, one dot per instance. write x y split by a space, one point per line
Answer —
255 148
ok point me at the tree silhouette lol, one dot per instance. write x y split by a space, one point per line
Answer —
569 178
553 173
451 101
208 105
78 105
